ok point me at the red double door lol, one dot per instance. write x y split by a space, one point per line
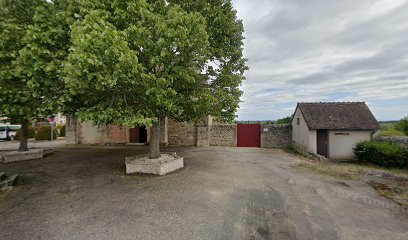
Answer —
249 135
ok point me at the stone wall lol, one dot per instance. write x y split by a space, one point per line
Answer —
203 136
399 139
182 133
86 133
223 135
118 134
276 136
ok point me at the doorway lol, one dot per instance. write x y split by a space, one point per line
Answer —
322 142
138 135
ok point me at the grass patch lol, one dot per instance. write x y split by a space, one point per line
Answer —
389 183
398 193
325 169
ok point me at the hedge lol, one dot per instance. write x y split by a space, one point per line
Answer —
62 129
386 154
31 133
44 133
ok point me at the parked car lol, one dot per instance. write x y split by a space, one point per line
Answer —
8 132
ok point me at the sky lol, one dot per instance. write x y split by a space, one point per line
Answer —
320 50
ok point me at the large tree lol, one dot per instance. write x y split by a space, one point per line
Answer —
33 45
136 62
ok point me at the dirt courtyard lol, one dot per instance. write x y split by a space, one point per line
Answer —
222 193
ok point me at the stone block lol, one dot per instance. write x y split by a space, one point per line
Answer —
168 162
16 156
47 152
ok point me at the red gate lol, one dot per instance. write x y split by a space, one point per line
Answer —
249 135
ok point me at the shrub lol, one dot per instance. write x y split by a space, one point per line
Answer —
386 154
44 133
62 129
402 125
391 132
31 133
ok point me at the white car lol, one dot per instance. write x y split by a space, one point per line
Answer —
8 132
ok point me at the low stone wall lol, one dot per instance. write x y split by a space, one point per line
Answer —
182 133
276 136
223 135
402 139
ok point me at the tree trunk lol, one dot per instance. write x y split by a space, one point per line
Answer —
24 136
155 140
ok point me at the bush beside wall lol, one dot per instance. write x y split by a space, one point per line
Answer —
62 129
44 133
386 154
31 133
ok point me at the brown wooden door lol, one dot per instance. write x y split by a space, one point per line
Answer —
322 142
249 135
138 135
134 135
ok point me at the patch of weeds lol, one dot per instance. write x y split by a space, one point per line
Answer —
398 194
325 169
297 151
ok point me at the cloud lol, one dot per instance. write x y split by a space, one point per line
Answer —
319 50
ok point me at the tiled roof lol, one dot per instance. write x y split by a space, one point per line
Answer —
338 116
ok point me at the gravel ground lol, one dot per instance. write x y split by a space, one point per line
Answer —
222 193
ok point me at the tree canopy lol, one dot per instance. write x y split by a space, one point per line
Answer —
129 62
132 61
33 46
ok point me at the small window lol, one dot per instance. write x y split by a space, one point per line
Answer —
298 121
2 129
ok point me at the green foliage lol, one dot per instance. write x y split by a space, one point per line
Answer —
385 154
44 133
226 72
402 126
133 61
31 133
286 120
62 130
387 125
391 132
33 45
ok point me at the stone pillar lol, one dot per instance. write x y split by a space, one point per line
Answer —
203 136
164 137
72 130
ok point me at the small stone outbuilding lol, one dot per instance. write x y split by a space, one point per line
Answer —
332 129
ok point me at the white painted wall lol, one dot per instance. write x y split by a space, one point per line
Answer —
341 146
312 144
301 135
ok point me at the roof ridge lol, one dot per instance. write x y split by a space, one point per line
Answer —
347 102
